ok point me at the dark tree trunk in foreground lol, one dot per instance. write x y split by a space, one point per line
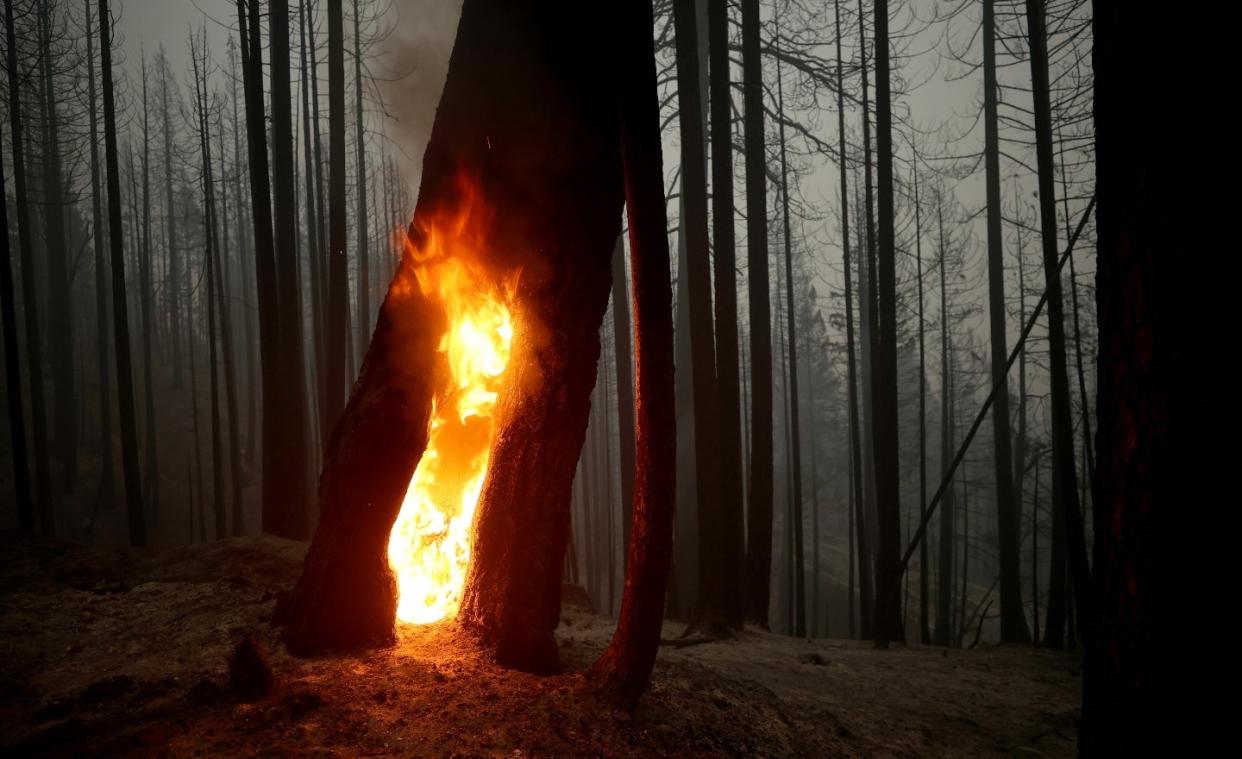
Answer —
759 502
625 667
1159 387
120 311
888 569
361 224
1013 620
732 520
944 578
550 180
30 300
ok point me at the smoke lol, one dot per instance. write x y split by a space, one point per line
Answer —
412 66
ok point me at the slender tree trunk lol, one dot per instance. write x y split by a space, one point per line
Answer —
710 615
13 372
625 387
857 529
1035 555
170 217
364 263
1064 475
107 465
221 253
759 500
245 267
869 315
294 468
924 565
120 311
795 436
152 484
732 530
275 506
313 227
60 289
1013 622
1019 446
625 667
944 626
338 284
888 565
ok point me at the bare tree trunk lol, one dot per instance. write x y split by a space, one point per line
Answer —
313 226
1013 622
124 369
246 268
221 254
924 567
13 372
294 466
759 501
868 316
1064 475
275 516
107 465
944 625
338 277
170 221
709 616
364 255
152 484
887 473
857 531
625 667
625 388
730 515
60 290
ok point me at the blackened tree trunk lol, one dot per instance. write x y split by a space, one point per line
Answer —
170 221
337 333
868 312
795 436
361 226
625 387
709 616
924 566
107 465
13 373
1012 619
60 291
887 474
221 252
313 224
274 507
731 519
625 667
553 173
857 533
944 599
759 500
152 484
246 267
120 311
293 471
1157 401
1064 475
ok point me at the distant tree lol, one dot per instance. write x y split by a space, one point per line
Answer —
337 318
120 310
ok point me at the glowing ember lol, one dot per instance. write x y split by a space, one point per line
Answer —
429 548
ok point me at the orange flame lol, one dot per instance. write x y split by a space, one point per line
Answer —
429 547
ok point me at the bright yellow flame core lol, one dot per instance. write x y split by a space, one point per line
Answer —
429 547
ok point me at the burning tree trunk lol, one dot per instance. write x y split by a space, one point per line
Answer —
521 197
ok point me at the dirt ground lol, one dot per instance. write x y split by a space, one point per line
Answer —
116 652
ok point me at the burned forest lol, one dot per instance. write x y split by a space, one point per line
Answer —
784 378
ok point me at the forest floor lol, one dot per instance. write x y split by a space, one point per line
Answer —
109 651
